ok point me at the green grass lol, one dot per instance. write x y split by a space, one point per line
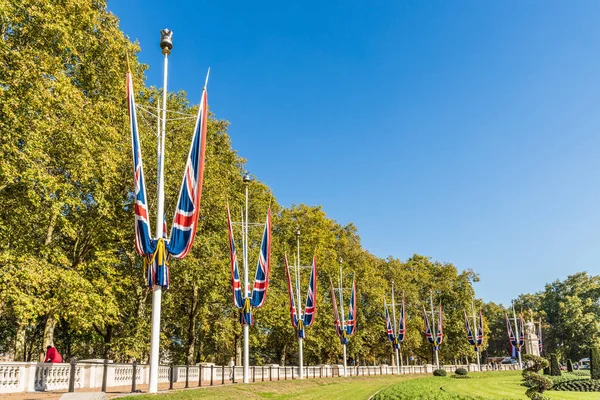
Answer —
308 389
488 386
480 386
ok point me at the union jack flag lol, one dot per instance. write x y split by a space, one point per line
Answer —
389 329
402 323
157 251
236 287
339 329
351 323
185 220
440 331
143 241
293 311
521 331
263 269
479 338
470 336
511 336
428 332
310 310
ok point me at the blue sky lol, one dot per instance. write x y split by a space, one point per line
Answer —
467 131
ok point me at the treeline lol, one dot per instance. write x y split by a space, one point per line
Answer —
69 274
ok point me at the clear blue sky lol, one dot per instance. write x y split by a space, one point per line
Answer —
465 131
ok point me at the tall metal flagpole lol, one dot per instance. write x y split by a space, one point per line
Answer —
475 333
342 306
166 45
395 331
299 308
517 335
434 332
246 291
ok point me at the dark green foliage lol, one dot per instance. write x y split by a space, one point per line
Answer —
554 365
547 369
439 372
595 362
461 371
537 383
569 366
578 386
568 377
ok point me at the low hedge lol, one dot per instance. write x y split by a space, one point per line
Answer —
461 371
439 372
579 386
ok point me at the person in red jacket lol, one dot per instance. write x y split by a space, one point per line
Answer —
52 355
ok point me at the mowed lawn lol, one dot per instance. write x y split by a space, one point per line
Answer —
486 385
327 388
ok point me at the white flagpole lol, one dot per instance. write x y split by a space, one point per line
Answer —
166 46
434 331
395 331
342 306
246 291
517 336
300 360
475 333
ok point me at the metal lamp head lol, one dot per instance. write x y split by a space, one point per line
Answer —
246 178
298 232
166 41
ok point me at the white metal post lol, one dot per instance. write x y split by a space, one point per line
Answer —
299 307
342 306
395 330
517 336
434 332
475 332
157 289
246 295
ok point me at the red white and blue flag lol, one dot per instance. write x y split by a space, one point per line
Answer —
185 220
470 336
389 329
440 330
402 323
541 347
158 250
521 331
236 287
351 322
512 338
293 310
339 329
428 332
479 337
310 309
263 269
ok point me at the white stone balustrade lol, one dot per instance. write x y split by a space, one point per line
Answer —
17 377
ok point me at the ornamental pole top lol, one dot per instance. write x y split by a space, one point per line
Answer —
166 41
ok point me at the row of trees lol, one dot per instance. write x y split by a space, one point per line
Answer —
69 274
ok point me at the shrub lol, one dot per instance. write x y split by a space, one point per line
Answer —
547 369
439 372
595 362
461 371
554 365
569 366
537 384
578 386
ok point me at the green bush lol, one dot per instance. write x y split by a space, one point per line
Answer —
461 371
568 377
537 383
554 365
595 362
578 386
547 368
439 372
569 365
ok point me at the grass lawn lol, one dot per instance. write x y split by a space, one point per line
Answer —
487 385
327 388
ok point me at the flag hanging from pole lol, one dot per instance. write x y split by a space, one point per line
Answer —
236 286
541 347
479 337
389 329
293 311
512 339
470 337
310 310
402 323
428 332
440 329
351 322
263 268
521 331
157 251
339 330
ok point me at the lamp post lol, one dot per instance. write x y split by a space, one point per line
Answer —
246 378
166 44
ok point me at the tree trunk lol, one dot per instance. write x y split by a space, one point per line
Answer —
191 342
49 332
20 342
